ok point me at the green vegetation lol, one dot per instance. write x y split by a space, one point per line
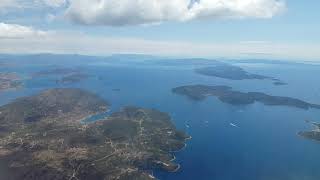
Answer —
228 72
227 95
69 75
42 137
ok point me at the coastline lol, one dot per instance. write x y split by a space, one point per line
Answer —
185 145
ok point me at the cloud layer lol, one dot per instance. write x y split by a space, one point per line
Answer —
15 31
139 12
55 3
16 38
7 6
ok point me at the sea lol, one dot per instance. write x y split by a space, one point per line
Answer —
251 142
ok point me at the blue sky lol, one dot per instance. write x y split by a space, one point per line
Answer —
211 28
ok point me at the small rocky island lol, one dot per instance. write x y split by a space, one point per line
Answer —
9 81
44 137
227 95
312 134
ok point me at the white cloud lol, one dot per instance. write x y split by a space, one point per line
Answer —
9 31
137 12
16 38
55 3
14 5
140 12
7 4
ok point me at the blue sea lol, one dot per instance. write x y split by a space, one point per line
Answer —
263 146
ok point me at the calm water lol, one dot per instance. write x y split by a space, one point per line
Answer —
263 147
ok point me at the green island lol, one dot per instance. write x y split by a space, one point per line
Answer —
227 71
312 134
57 71
44 137
227 95
69 75
9 81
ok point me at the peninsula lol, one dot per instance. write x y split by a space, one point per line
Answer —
43 137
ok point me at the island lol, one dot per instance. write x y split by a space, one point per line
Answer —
9 81
66 75
45 137
227 95
227 71
57 71
312 134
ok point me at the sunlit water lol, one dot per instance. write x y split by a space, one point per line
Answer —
264 146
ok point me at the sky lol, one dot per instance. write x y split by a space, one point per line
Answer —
275 29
